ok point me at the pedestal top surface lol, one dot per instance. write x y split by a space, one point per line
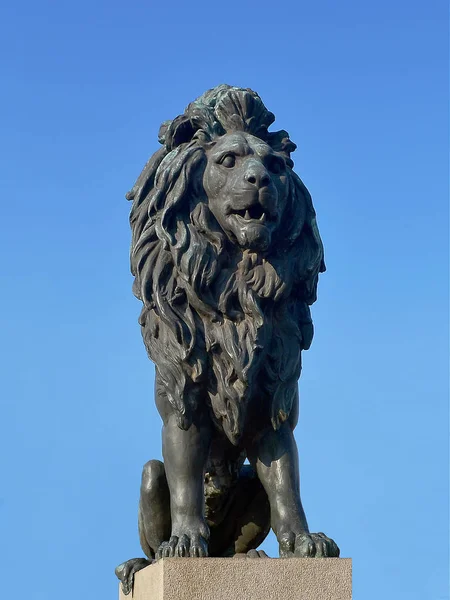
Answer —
244 579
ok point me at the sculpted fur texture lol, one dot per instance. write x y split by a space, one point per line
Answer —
226 256
223 311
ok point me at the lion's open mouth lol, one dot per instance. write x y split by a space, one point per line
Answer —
255 212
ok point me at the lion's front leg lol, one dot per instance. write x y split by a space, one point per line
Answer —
185 454
276 461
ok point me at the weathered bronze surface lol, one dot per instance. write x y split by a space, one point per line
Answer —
226 256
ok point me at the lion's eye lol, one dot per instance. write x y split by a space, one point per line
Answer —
228 161
276 166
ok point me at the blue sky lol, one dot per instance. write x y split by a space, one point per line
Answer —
362 89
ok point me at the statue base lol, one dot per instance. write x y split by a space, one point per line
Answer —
244 579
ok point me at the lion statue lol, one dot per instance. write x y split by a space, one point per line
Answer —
226 255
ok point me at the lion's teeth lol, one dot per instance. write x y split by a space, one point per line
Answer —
247 214
262 218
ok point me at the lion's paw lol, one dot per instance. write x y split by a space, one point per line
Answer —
308 545
126 571
184 546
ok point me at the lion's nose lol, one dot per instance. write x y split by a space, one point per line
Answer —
257 175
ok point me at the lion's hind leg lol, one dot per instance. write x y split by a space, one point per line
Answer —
154 508
153 521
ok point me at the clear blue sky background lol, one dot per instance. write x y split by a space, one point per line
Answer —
362 89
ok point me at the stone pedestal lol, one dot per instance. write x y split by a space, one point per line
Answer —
244 579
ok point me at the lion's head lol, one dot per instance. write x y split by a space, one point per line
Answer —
226 255
247 186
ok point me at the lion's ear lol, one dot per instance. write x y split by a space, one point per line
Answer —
180 131
280 142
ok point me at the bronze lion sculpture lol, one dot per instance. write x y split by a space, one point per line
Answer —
226 255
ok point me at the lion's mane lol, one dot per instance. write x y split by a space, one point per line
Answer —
219 321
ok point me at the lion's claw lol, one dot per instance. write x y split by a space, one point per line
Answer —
184 546
308 545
